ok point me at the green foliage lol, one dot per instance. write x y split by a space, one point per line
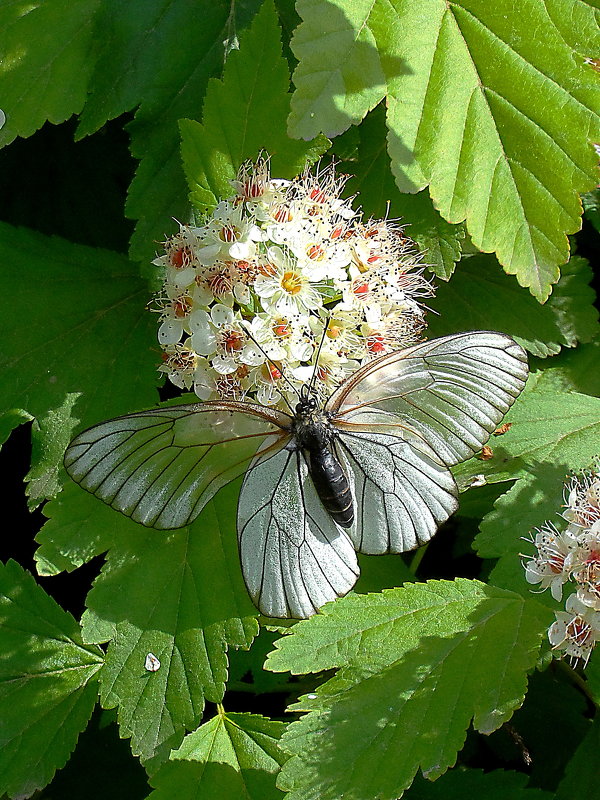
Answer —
232 756
47 686
471 122
234 126
393 679
467 89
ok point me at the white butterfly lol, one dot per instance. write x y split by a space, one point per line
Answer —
367 472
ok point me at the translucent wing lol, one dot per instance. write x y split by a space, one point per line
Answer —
401 490
451 392
294 557
160 467
403 419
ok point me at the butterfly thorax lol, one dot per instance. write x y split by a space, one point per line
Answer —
315 435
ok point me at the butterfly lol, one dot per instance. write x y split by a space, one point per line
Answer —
366 471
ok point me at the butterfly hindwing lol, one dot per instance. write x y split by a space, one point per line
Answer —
294 557
161 467
402 492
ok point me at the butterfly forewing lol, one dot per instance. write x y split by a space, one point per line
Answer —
451 392
161 467
294 557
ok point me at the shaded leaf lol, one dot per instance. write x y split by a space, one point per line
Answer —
238 757
581 774
46 689
425 657
481 297
46 62
234 123
572 370
49 437
531 501
460 783
159 56
86 330
185 603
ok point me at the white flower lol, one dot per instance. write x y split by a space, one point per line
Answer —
179 364
585 568
248 290
582 500
286 291
575 630
175 315
211 385
550 568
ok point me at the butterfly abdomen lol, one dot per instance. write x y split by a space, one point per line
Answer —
331 485
315 436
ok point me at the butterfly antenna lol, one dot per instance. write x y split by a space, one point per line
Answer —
313 378
270 360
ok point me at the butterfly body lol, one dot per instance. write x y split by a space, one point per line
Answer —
315 435
368 471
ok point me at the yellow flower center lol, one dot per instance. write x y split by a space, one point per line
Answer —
291 282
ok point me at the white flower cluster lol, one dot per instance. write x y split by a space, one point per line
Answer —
573 555
277 273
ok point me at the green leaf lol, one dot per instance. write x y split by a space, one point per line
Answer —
543 431
572 370
237 758
581 774
160 56
340 75
592 673
11 419
481 297
46 62
49 436
46 689
529 503
235 125
460 783
379 196
427 657
591 207
185 603
79 528
481 99
86 329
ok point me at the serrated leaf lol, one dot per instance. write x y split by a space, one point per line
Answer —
427 657
481 99
529 503
379 196
49 438
46 689
79 528
235 125
543 431
460 783
481 297
86 329
46 62
480 112
11 419
238 757
158 55
572 370
185 603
